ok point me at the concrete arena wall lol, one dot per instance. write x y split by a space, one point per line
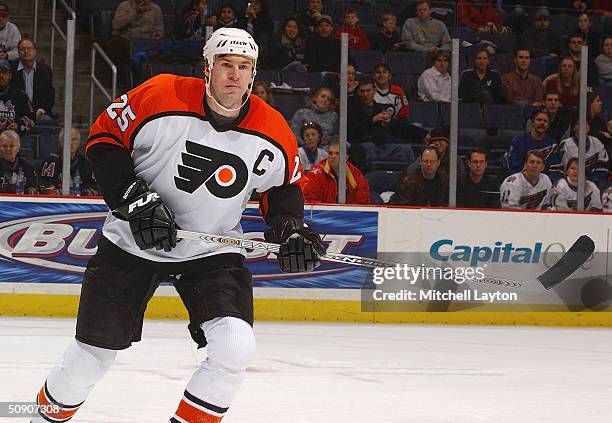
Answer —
398 230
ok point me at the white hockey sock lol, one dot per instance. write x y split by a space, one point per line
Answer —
231 348
72 379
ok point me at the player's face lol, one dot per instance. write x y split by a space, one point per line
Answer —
382 76
8 149
429 164
291 29
482 61
552 103
533 166
351 19
311 138
441 64
572 172
366 92
522 60
423 12
230 79
334 157
261 92
477 164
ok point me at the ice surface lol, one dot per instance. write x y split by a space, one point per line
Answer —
320 373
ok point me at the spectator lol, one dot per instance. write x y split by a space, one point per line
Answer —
387 38
481 84
475 188
11 163
227 18
369 126
540 39
479 15
309 17
351 79
311 152
438 138
357 38
427 186
590 36
520 86
190 24
560 119
604 63
133 19
564 192
390 94
320 108
262 90
565 82
606 200
435 83
9 35
536 140
322 49
35 79
595 159
597 120
574 48
528 189
321 183
51 168
260 25
290 46
424 33
15 112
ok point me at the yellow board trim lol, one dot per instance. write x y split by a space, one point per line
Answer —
45 305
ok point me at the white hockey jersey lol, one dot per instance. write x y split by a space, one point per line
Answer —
564 193
596 157
606 200
204 175
516 192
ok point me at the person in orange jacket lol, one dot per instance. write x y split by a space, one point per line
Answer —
321 184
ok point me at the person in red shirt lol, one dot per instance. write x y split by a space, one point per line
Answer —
321 185
479 15
357 37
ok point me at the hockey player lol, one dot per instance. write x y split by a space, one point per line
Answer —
596 156
529 189
185 152
563 194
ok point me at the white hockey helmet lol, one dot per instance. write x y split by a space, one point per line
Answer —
230 41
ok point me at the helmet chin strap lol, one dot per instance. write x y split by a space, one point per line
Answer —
221 106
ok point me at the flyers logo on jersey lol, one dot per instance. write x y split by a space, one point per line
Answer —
224 174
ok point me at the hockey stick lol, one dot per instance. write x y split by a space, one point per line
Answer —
577 254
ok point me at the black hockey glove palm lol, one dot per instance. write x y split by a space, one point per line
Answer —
300 246
151 221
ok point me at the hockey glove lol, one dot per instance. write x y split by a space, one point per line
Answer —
300 247
151 221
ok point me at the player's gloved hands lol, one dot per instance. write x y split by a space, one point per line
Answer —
300 246
151 221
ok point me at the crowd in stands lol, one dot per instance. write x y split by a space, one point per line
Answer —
519 64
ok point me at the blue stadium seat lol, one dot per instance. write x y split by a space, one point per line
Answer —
529 111
539 67
380 181
380 9
168 26
287 104
425 113
365 11
504 42
268 75
504 116
406 62
496 142
469 115
366 60
502 62
45 144
302 79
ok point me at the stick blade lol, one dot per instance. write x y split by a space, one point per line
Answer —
569 263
